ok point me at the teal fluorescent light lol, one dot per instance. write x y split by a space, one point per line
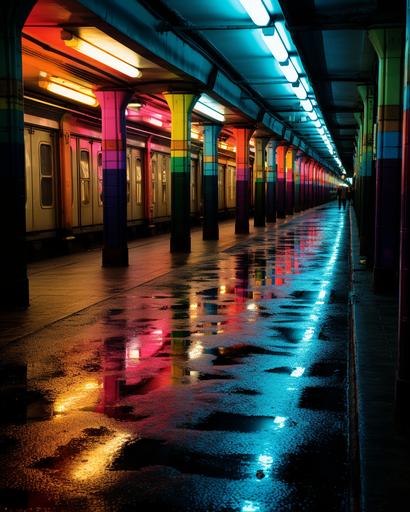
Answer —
257 12
207 106
289 72
275 44
299 90
306 105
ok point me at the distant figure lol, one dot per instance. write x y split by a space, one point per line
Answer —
341 196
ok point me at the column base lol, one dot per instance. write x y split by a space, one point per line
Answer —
384 280
259 223
210 233
241 229
182 245
115 257
15 295
401 405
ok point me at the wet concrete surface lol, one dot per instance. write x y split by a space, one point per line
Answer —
220 386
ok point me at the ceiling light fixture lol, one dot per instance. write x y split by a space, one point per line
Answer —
205 105
275 44
100 55
68 89
257 11
299 90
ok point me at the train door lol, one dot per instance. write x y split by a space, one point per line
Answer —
137 185
74 178
221 187
194 185
43 179
97 182
29 179
154 172
129 183
230 186
85 191
163 184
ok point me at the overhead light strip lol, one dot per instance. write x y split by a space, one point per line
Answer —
260 15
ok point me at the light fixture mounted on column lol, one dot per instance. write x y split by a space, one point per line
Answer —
95 50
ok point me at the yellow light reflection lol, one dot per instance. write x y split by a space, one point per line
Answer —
222 289
94 462
195 350
78 397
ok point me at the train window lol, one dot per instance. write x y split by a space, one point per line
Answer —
100 178
138 179
154 168
128 178
46 173
85 176
164 178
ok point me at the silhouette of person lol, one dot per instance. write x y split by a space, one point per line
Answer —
342 196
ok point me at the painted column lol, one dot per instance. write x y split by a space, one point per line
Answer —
210 229
290 184
403 357
271 176
181 105
260 181
388 45
305 168
281 183
242 135
14 290
366 171
114 147
297 180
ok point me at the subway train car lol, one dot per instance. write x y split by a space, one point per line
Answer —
64 176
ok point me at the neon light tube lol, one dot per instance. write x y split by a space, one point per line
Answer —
69 90
289 72
256 11
321 130
317 123
208 111
312 115
300 91
275 44
306 105
101 56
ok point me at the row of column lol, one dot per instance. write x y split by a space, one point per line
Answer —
382 186
285 179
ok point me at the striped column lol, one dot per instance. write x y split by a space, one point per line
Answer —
260 181
297 181
210 229
281 183
366 173
388 45
290 184
271 177
181 105
403 357
242 135
114 146
14 290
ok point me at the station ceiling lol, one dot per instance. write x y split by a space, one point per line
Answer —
214 45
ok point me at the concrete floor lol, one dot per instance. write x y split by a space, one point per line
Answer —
215 382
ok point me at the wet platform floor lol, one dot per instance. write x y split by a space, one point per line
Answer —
220 386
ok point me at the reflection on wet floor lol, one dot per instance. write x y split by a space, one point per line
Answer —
218 387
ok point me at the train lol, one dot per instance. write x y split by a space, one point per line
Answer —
54 137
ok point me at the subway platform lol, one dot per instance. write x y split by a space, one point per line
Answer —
218 381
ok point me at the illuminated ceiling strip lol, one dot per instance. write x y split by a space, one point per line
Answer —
260 16
100 55
208 111
69 90
256 11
